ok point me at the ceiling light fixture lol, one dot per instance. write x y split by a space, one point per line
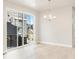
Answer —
49 15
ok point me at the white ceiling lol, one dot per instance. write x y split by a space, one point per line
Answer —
41 5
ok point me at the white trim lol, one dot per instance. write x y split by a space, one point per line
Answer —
57 44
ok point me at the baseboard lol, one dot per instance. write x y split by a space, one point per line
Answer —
57 44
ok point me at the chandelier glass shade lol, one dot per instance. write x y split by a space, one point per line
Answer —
49 13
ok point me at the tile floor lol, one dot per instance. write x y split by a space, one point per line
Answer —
41 51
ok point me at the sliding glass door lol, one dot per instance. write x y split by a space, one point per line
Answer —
19 29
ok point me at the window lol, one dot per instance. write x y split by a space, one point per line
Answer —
19 29
11 31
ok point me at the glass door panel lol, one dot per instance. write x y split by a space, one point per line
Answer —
20 29
11 30
25 28
30 21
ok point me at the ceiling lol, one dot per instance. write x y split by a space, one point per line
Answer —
41 5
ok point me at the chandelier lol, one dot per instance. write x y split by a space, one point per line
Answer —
49 15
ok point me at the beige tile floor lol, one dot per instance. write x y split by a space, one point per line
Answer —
54 52
41 51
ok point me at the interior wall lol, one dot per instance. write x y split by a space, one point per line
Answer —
59 30
17 7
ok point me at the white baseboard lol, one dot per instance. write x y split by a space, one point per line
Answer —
57 44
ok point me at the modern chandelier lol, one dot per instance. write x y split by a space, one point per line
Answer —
49 15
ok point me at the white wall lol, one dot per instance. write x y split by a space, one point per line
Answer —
18 8
59 30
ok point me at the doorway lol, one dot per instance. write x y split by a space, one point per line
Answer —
20 28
